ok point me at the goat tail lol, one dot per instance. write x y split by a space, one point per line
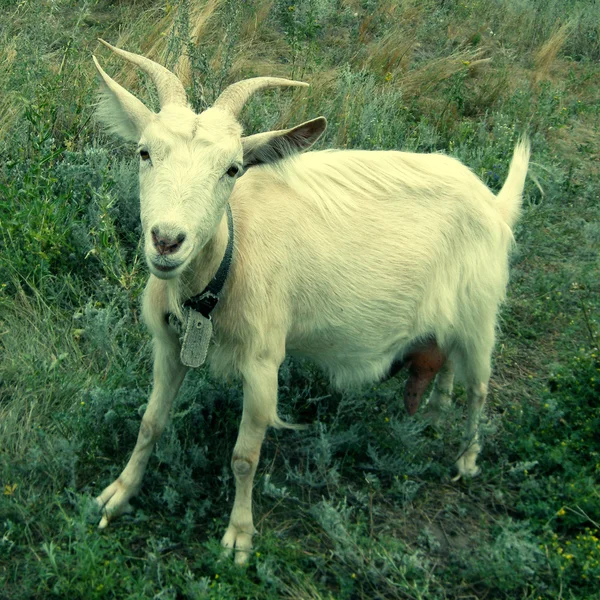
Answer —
510 196
278 423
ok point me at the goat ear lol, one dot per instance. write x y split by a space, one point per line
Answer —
272 146
118 110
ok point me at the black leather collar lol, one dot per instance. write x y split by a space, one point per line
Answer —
207 299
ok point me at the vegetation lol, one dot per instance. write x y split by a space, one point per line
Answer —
360 505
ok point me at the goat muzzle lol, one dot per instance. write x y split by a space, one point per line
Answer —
166 245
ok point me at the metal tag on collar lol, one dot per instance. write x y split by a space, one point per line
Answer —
197 333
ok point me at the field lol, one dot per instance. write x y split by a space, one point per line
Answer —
360 505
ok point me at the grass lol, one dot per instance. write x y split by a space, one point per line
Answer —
360 504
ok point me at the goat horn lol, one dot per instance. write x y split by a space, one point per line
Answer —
236 95
170 89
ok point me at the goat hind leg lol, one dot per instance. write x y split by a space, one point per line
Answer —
466 462
440 399
168 375
477 378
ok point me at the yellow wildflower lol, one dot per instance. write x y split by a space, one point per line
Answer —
9 489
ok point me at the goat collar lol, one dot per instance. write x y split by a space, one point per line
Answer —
207 299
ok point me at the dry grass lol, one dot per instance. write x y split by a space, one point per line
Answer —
156 26
10 111
39 354
301 588
256 26
429 75
580 140
261 51
250 55
392 12
9 102
199 19
393 53
545 57
8 53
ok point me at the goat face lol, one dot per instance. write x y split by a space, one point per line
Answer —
189 163
188 166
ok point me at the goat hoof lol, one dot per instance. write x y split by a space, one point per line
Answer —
464 467
237 541
454 473
113 502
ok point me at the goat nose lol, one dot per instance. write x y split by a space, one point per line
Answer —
166 244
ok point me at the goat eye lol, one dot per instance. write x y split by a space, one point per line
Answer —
144 155
233 171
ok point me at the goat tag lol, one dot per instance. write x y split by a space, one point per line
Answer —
196 338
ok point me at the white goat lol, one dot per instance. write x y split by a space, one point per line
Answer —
362 261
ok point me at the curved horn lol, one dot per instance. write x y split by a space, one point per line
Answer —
236 95
170 89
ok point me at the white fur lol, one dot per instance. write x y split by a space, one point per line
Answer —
344 257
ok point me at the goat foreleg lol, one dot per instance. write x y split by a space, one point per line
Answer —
260 410
168 375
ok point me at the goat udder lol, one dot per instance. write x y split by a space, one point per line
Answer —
424 364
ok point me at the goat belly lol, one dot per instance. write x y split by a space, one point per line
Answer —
423 364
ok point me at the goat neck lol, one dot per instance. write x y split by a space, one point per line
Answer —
204 265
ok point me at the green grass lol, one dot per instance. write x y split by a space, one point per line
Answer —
359 505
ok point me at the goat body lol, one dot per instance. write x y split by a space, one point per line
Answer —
361 261
349 258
